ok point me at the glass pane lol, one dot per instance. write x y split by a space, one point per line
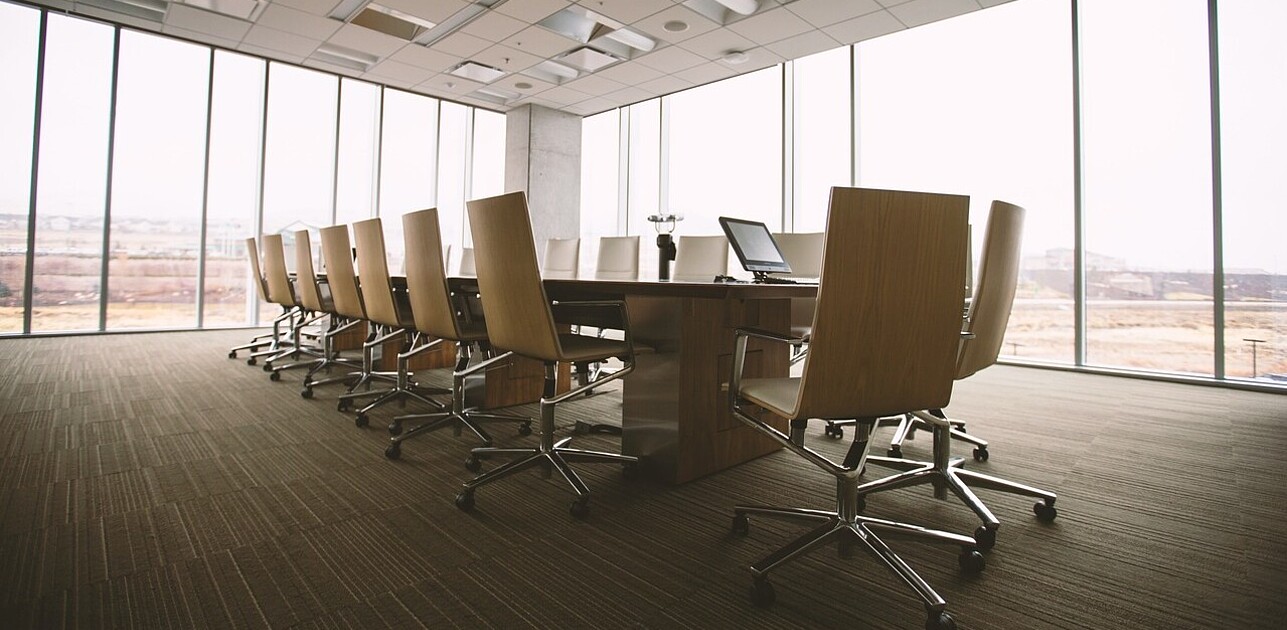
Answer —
600 164
1253 97
158 171
359 141
408 150
726 152
823 131
487 174
1147 176
644 185
453 141
232 196
19 48
939 110
72 187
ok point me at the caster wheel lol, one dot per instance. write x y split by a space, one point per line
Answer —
985 538
232 355
580 508
580 428
981 454
465 500
741 524
275 376
306 393
971 561
343 404
894 451
525 429
630 472
395 428
360 421
268 367
473 464
940 621
252 361
762 593
1045 512
834 432
394 451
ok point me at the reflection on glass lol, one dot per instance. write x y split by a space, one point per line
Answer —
359 141
158 171
19 46
71 191
939 111
1253 97
600 157
823 133
1147 179
232 196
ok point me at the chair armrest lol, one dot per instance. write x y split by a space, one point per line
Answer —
769 335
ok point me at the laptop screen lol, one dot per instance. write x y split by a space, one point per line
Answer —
754 246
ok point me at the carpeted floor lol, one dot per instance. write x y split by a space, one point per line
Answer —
149 481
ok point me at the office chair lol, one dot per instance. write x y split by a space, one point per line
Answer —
268 340
618 258
562 258
700 258
308 290
885 334
281 292
520 321
437 313
803 251
346 301
988 314
389 323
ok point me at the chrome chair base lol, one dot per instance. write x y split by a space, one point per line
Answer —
905 429
947 474
403 389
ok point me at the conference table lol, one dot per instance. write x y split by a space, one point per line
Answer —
675 415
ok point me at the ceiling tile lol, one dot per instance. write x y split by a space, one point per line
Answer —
332 68
199 37
540 42
422 57
715 44
706 73
665 85
626 11
220 26
298 22
493 26
827 12
461 44
759 58
435 11
629 73
770 26
531 11
119 18
992 3
510 82
591 106
803 45
273 39
507 59
269 53
397 71
315 7
563 95
629 95
865 27
671 59
595 84
918 12
654 25
366 40
449 84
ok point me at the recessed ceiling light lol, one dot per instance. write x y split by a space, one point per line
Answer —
523 85
477 72
588 59
675 26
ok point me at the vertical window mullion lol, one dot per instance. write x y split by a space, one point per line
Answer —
1079 224
205 198
1217 194
28 280
107 202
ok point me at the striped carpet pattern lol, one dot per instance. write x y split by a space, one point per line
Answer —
148 481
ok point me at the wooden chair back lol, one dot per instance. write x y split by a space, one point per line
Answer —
275 273
338 257
252 254
888 321
426 276
310 297
562 258
509 279
373 272
618 258
700 258
994 292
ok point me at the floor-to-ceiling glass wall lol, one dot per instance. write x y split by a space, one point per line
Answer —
821 155
71 194
453 160
357 157
409 161
19 47
158 175
1146 168
600 183
1253 134
643 172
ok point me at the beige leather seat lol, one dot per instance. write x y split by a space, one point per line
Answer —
700 258
618 258
270 341
311 296
562 258
282 292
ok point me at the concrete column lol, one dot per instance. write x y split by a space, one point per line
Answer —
543 158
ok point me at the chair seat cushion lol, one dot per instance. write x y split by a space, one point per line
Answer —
775 394
584 348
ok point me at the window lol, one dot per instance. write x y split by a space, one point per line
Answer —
644 178
453 155
72 186
950 107
158 172
19 47
1253 97
600 183
408 154
232 192
487 172
1146 126
823 133
359 145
